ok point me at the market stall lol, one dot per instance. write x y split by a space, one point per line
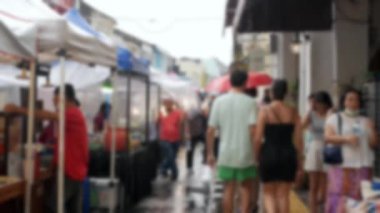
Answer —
183 91
62 42
134 82
56 39
127 134
12 189
155 105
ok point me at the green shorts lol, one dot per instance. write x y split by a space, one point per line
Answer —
236 174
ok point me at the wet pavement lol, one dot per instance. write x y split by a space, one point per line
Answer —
194 193
190 193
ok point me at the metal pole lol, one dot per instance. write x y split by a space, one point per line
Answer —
376 101
147 107
113 142
6 142
128 106
61 141
159 95
29 159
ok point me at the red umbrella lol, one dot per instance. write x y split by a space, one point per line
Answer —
255 79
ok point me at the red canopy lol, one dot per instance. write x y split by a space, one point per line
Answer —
255 79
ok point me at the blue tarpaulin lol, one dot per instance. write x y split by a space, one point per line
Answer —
128 62
125 60
74 17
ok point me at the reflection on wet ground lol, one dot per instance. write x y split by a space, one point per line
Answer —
194 193
189 194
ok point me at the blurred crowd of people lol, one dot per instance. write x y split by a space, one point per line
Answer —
250 141
251 144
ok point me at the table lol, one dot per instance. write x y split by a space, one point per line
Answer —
41 190
12 192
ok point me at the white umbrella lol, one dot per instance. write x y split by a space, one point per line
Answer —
80 75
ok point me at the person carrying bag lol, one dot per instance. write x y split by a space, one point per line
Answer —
332 154
352 159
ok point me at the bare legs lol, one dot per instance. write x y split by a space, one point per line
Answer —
228 197
270 198
317 191
245 196
246 190
283 198
255 193
276 197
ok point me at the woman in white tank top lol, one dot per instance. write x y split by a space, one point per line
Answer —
314 166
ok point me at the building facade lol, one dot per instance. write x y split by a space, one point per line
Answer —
333 52
158 58
98 19
193 69
201 71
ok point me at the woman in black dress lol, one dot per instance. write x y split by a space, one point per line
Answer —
278 134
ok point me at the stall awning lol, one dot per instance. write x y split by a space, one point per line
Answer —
127 62
230 12
11 50
140 65
74 17
124 59
25 18
272 15
172 86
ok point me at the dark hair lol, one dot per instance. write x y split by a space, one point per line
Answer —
252 92
105 107
238 78
77 102
69 93
324 98
279 89
348 91
267 99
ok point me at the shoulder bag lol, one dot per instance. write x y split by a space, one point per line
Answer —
332 154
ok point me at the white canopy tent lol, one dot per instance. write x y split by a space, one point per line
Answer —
11 50
87 80
44 33
48 37
81 76
89 97
184 92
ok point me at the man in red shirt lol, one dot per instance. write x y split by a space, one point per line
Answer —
76 148
170 124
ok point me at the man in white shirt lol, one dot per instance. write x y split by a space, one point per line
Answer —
234 115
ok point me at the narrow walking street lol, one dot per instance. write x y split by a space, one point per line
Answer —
192 193
190 106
